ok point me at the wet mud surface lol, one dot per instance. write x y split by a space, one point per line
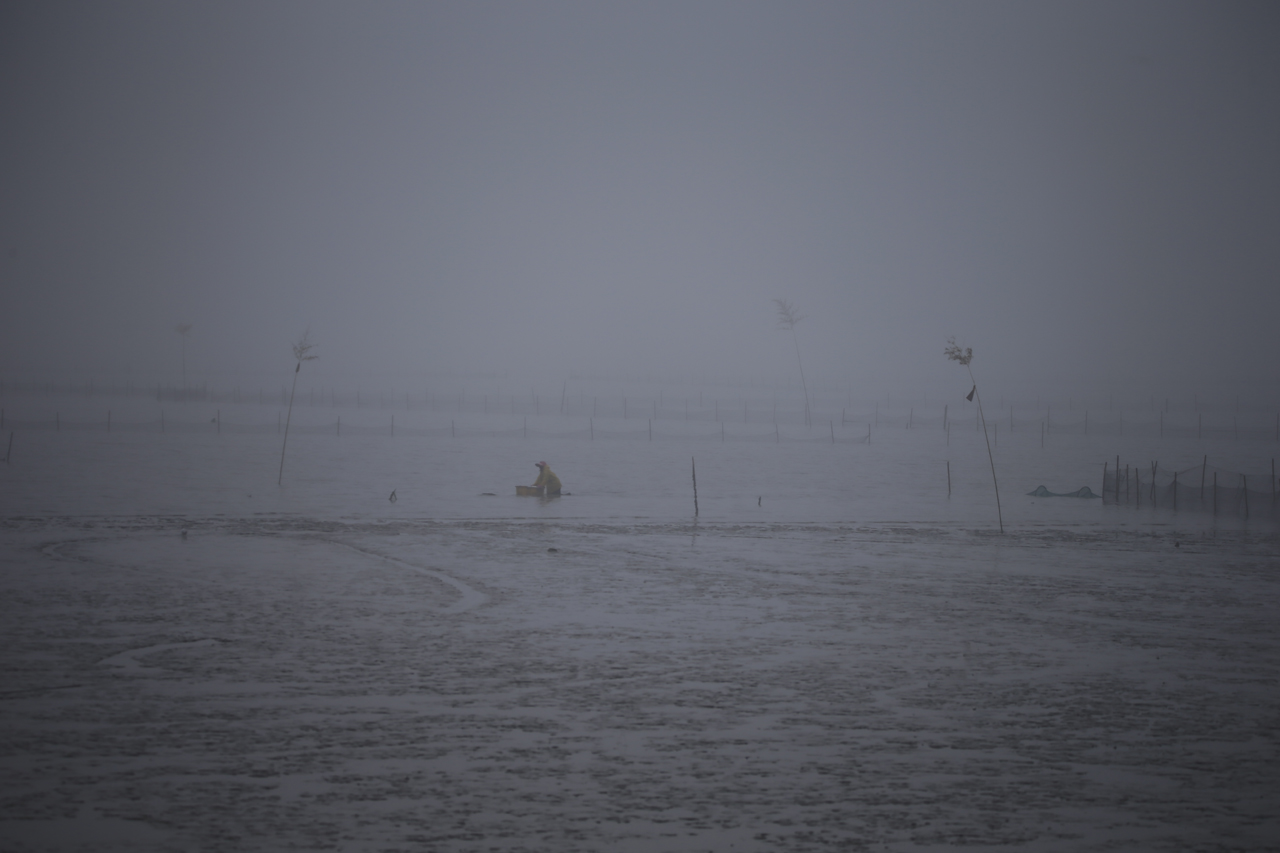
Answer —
289 683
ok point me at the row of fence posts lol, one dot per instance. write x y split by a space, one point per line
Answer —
1204 465
946 425
1045 424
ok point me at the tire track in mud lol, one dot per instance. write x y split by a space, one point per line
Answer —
470 598
127 661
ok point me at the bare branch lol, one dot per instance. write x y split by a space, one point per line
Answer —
303 346
788 314
955 353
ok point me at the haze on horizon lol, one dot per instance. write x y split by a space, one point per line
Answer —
1087 193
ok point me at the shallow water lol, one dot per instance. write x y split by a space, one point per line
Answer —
835 654
285 682
442 468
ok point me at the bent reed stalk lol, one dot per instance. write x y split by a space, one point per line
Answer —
300 350
954 353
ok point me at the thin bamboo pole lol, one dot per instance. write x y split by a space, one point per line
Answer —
285 444
694 467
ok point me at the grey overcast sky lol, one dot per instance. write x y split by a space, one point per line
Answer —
1088 193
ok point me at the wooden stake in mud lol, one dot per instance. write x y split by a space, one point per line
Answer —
948 478
1175 491
1104 478
1244 487
833 431
1215 493
1203 465
1117 478
694 463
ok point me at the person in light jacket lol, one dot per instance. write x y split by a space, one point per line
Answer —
547 479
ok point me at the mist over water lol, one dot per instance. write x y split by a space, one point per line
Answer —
1082 192
250 601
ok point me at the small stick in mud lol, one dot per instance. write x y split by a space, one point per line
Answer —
694 463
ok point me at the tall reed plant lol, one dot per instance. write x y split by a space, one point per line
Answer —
788 317
965 355
300 350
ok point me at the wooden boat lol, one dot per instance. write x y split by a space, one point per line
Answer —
530 491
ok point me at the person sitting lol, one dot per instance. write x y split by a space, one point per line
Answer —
547 479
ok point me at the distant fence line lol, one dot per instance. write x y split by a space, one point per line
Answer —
1200 488
1180 426
1022 416
591 431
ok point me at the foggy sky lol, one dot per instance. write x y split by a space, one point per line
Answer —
1086 193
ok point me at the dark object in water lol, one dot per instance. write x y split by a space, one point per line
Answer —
488 494
393 496
1082 492
553 550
